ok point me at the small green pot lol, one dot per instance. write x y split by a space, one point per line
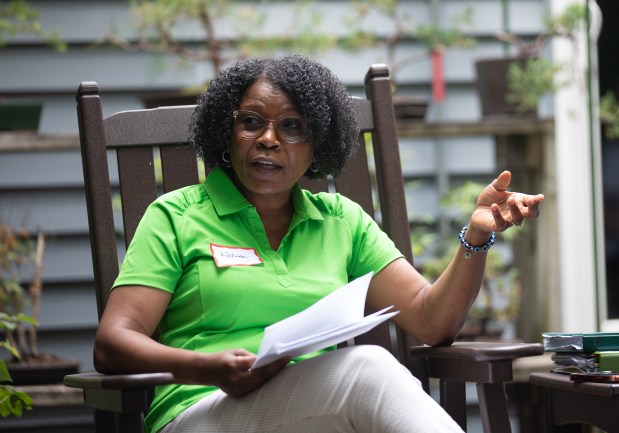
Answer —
17 115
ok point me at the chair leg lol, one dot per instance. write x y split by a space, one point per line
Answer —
493 408
453 400
129 423
104 421
110 422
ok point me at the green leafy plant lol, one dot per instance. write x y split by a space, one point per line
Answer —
19 17
16 251
12 400
609 115
529 80
501 290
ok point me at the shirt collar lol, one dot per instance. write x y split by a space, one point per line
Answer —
304 208
227 199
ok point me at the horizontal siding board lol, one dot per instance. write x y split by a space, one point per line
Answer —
38 210
59 168
56 212
470 155
422 198
59 115
67 308
109 66
461 104
70 344
462 155
418 157
67 259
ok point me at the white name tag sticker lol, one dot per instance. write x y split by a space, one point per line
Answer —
234 256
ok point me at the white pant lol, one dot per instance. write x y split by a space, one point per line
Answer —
358 389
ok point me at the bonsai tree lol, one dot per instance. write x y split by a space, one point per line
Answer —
434 39
529 79
157 23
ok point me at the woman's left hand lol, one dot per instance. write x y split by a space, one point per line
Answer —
498 209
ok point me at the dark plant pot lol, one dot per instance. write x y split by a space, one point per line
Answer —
19 116
42 370
492 88
410 107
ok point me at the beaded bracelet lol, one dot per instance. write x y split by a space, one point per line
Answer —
469 248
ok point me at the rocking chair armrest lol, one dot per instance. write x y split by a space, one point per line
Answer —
479 351
118 393
117 381
476 362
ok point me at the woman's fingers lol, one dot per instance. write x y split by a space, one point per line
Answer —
521 207
500 220
241 379
514 203
533 203
502 181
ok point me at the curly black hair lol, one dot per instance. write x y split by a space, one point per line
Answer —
321 98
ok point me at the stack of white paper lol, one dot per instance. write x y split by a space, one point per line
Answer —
333 319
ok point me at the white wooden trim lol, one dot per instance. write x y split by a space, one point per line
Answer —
577 205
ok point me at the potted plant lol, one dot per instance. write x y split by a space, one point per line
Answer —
514 85
498 303
18 254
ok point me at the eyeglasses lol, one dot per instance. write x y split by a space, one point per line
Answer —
287 129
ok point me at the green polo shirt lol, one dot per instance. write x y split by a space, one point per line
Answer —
207 246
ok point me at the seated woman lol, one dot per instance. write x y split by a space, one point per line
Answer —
262 125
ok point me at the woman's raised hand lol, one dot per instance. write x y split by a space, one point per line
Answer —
498 209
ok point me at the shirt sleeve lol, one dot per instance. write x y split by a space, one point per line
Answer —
153 258
372 248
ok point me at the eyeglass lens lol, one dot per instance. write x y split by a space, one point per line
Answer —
253 125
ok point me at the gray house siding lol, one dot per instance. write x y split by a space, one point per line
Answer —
44 187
